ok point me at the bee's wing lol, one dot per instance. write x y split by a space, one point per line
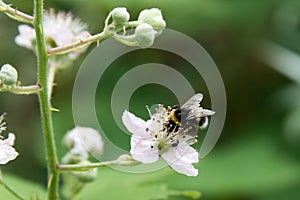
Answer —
193 102
205 112
191 108
194 110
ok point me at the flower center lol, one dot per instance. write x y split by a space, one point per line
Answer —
163 138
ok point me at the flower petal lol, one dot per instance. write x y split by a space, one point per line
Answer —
10 140
181 159
84 140
156 123
143 149
7 152
25 37
187 153
135 125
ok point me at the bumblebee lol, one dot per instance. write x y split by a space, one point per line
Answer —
188 117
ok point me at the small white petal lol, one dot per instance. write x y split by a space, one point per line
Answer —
143 150
7 152
181 159
135 125
25 37
11 139
78 150
84 141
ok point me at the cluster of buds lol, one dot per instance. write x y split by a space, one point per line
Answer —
149 25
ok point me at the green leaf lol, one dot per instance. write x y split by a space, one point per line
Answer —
253 165
23 187
112 184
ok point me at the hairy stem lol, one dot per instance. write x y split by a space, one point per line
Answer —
30 89
71 47
45 106
79 167
15 14
93 38
123 160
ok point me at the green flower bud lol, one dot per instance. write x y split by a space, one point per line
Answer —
8 75
144 35
120 16
153 17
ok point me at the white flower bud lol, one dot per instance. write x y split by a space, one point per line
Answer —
86 176
83 141
153 17
74 156
120 15
8 75
127 160
144 35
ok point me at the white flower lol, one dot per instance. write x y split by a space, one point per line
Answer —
83 141
7 152
151 140
60 29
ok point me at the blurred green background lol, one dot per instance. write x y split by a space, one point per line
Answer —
258 154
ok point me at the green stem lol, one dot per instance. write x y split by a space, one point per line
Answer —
123 160
78 167
45 105
31 89
50 79
11 190
73 46
92 38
